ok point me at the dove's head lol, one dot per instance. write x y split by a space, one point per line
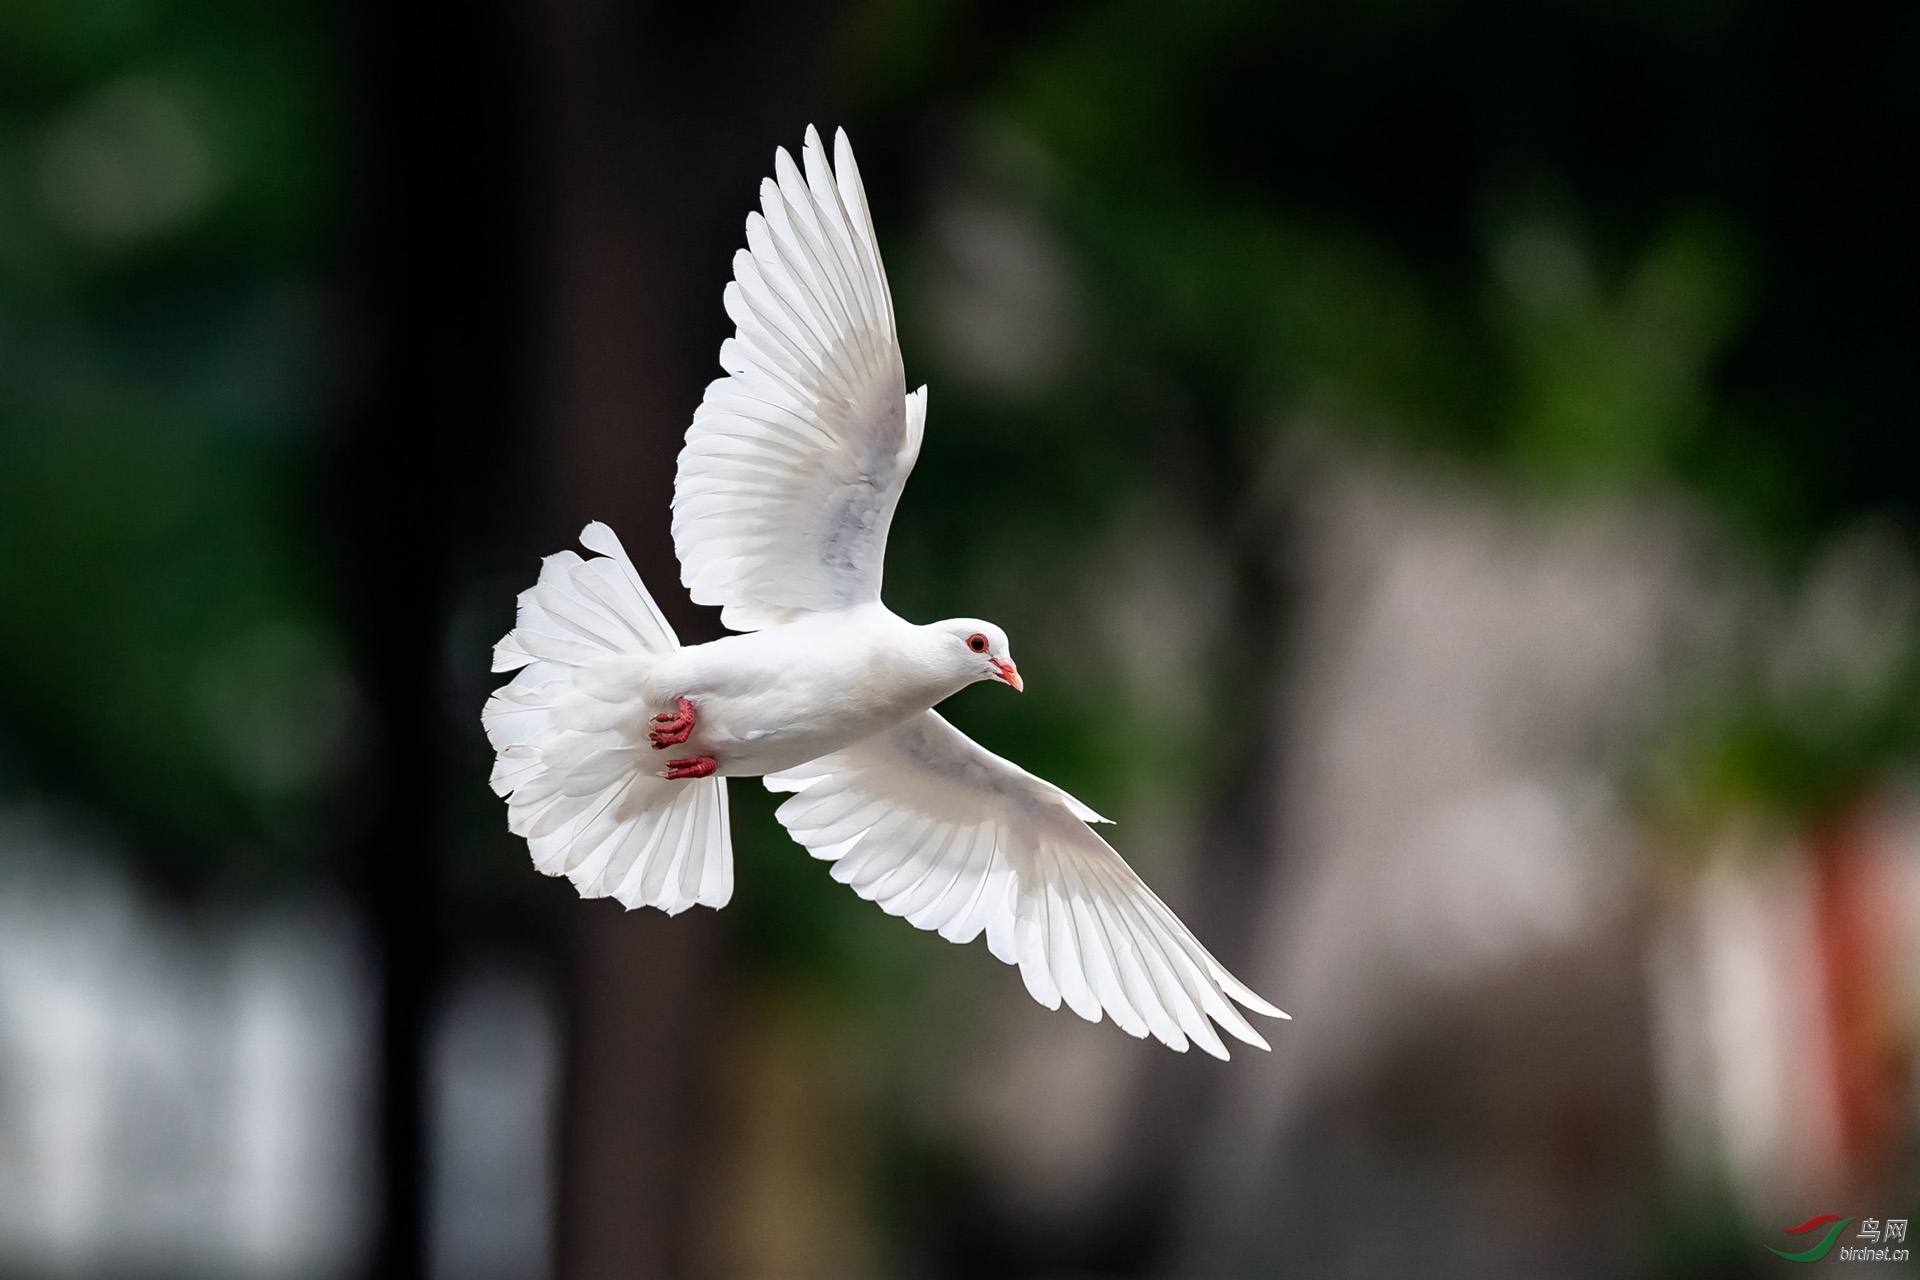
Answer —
978 651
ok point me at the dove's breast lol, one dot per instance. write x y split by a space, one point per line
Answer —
773 699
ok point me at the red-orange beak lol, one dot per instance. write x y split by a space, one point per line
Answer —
1009 673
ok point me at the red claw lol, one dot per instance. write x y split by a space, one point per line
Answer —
671 728
697 767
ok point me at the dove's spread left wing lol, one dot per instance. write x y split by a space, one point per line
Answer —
796 458
936 828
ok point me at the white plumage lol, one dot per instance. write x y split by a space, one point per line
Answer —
787 484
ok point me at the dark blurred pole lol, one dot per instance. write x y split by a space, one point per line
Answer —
440 248
661 120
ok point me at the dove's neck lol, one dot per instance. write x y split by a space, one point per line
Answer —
928 665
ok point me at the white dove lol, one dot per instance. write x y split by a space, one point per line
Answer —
789 478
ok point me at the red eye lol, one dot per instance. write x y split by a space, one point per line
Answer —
977 642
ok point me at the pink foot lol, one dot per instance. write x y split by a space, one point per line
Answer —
697 767
671 728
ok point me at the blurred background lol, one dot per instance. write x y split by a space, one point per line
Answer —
1447 468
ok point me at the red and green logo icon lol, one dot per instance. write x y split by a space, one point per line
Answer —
1811 1225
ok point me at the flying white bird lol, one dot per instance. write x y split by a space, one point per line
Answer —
615 741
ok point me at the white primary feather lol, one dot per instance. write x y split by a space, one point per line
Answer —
936 828
796 458
572 764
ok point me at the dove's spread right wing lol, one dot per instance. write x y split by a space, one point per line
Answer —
936 828
796 458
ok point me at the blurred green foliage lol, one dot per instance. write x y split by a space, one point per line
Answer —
1815 702
166 196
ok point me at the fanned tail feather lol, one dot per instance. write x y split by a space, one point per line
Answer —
572 771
